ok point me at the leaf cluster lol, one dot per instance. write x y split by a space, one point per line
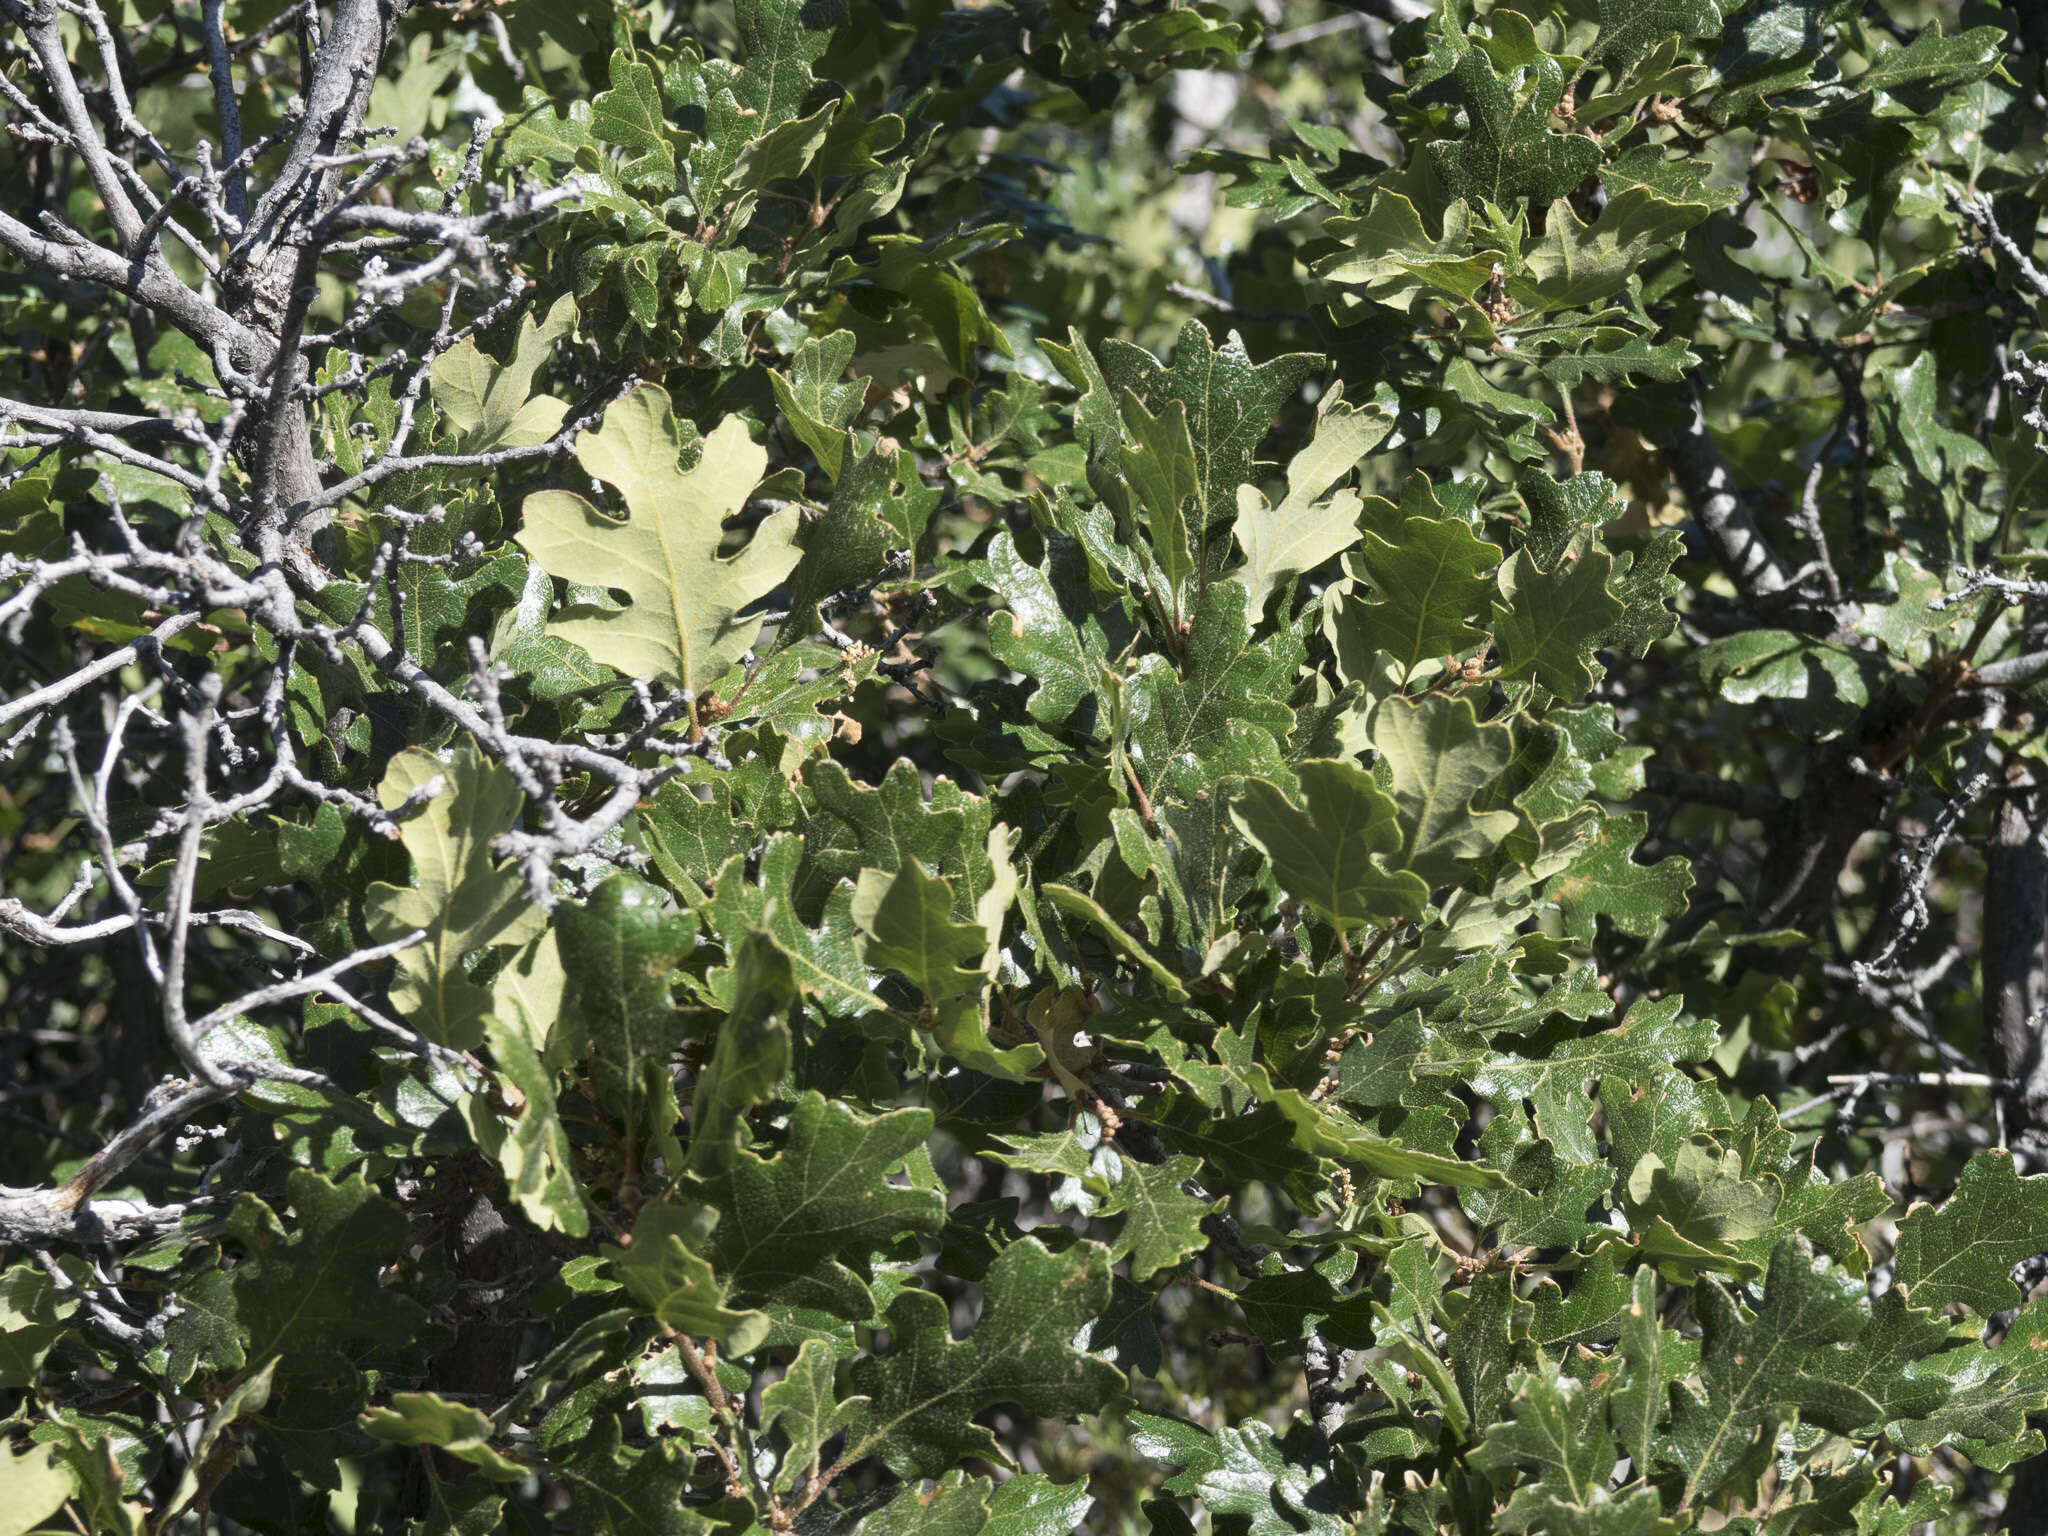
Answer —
874 870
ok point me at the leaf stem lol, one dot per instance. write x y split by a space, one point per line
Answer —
1144 800
703 1366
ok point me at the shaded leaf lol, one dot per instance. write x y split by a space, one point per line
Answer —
1329 858
924 1393
460 896
785 1221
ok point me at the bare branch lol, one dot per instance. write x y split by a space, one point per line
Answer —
1979 211
146 279
1758 572
92 672
225 105
2015 964
2013 673
68 1212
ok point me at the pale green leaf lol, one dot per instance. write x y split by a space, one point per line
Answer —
681 621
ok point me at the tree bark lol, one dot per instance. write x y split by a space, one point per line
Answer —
486 1252
2015 963
2015 993
270 275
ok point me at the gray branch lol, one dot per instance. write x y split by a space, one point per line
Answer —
1762 578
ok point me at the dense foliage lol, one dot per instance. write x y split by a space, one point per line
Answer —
819 766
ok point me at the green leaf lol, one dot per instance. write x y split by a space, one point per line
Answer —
1329 859
848 547
616 1492
783 153
522 1128
461 898
908 919
33 1486
205 1334
488 402
1555 1441
1650 1040
1097 422
426 1418
1576 266
1223 712
245 1399
1821 688
671 1399
617 952
1547 622
1483 1346
1428 584
1831 1216
1087 1167
539 132
1307 527
816 406
1751 1366
1629 28
1044 632
1702 1194
1177 1444
805 1407
1548 1206
1508 150
31 1320
1270 1486
1159 462
1964 1250
954 316
781 40
1329 1132
751 1058
827 963
689 840
1396 260
924 1393
1931 61
681 620
1877 1374
786 1221
956 1505
1162 1222
1561 510
1440 758
676 1285
321 1291
1104 923
1647 590
1230 403
1987 1397
630 117
1654 1356
1034 1505
96 1465
1285 1307
1606 880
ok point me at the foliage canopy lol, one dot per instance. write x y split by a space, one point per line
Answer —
838 767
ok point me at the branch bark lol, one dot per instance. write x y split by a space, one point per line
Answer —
2015 961
1759 573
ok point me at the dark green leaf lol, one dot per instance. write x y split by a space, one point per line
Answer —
1964 1249
924 1393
